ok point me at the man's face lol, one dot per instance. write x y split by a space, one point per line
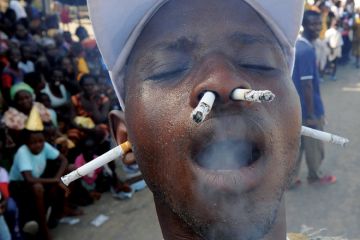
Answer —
313 26
226 176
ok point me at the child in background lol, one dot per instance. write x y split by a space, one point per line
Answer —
35 177
334 41
45 100
4 229
25 64
100 180
8 209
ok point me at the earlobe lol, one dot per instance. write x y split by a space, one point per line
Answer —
118 126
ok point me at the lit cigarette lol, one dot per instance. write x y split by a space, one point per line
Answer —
324 136
96 163
203 109
252 95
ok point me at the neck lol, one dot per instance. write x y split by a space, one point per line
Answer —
174 228
308 37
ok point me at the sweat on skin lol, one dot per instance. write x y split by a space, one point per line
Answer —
187 48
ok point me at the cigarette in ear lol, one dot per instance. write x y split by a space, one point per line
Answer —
97 163
324 136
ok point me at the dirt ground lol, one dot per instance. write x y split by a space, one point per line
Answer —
335 207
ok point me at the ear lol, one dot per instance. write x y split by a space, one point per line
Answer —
118 126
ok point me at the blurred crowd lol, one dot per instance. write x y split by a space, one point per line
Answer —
339 40
55 96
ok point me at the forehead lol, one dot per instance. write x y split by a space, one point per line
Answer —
204 20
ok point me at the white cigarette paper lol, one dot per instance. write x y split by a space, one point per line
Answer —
252 95
324 136
204 107
96 163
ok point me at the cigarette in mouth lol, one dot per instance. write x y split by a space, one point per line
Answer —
204 107
324 136
252 95
96 163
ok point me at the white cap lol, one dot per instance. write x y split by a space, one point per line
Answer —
118 24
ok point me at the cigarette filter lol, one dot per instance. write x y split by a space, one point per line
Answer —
96 163
204 107
324 136
252 95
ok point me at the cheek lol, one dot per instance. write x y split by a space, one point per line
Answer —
158 121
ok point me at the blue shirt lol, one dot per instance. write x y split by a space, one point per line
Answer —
305 69
25 160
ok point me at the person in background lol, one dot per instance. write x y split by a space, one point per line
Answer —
35 178
55 89
46 101
103 179
306 80
22 35
4 229
335 42
22 102
11 74
26 64
18 8
356 38
10 209
78 53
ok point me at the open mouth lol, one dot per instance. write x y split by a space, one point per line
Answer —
228 155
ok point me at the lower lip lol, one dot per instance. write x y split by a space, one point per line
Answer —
232 181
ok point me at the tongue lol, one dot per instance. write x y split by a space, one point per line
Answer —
228 155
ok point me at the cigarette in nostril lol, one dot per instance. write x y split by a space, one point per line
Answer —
249 95
96 163
204 107
324 136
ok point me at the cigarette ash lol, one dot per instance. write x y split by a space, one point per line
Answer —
260 96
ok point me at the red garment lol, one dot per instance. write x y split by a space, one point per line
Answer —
4 189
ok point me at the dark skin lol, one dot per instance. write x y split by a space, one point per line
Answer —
57 78
36 143
24 102
312 27
88 98
187 48
14 57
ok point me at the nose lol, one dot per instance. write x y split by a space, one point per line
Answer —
219 75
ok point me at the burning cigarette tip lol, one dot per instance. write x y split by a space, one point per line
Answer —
198 117
252 95
204 107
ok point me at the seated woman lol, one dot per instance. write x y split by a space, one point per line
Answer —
91 107
22 102
35 177
56 90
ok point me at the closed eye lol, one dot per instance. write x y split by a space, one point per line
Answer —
168 75
257 67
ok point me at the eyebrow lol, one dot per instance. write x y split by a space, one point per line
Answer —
249 39
181 44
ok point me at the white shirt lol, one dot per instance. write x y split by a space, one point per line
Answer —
18 8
